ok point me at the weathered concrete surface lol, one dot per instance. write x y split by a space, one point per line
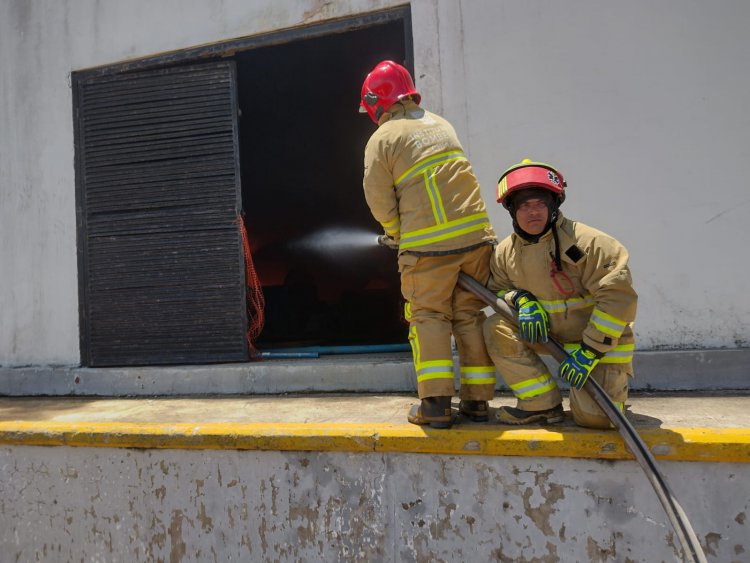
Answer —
718 410
254 502
702 370
94 504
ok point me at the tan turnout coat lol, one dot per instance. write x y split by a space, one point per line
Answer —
602 306
419 185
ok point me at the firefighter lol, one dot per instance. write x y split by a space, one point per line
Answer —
420 187
567 281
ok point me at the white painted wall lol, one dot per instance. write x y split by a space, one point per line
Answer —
645 108
642 105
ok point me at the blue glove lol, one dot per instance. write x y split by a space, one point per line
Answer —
576 369
532 318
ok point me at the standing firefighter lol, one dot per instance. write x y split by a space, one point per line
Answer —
568 281
420 187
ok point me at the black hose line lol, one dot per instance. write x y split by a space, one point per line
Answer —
692 550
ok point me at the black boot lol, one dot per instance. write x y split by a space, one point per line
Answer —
477 411
512 415
435 411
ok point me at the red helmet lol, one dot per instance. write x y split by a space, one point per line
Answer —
388 83
530 174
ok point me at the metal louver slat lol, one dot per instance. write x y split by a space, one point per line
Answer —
160 254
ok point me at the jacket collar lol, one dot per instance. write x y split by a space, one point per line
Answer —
398 110
565 236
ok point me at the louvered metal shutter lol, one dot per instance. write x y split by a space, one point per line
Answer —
160 253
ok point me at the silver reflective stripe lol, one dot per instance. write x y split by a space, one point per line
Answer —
435 369
538 387
616 327
558 306
449 228
615 353
428 162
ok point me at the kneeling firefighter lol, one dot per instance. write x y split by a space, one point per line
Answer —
569 281
420 187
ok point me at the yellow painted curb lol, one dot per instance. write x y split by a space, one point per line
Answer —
677 444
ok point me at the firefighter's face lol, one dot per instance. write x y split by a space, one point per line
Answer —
532 215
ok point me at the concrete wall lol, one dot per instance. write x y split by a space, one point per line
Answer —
642 106
701 371
100 504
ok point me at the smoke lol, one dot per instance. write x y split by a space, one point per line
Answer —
336 240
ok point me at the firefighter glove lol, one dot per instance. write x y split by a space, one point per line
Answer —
532 318
388 242
579 364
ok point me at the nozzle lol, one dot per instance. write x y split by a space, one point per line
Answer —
388 242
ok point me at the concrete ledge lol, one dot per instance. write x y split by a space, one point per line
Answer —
705 370
675 444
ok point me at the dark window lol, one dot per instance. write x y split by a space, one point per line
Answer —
302 145
159 154
158 200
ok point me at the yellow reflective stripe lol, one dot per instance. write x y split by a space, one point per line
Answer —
478 369
455 222
447 235
607 323
502 292
407 310
392 227
428 376
562 305
616 360
434 369
429 162
622 354
533 387
438 211
435 363
486 375
478 381
445 231
414 341
620 405
502 187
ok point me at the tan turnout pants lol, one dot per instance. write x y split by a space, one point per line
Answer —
534 387
436 308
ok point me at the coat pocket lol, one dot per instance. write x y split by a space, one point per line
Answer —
406 261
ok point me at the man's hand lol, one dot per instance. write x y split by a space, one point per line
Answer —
532 318
578 366
385 240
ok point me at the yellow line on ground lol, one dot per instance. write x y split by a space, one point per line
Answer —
678 444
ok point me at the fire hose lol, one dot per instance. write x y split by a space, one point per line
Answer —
692 550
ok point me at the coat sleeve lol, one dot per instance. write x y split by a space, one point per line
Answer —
607 278
499 281
380 192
